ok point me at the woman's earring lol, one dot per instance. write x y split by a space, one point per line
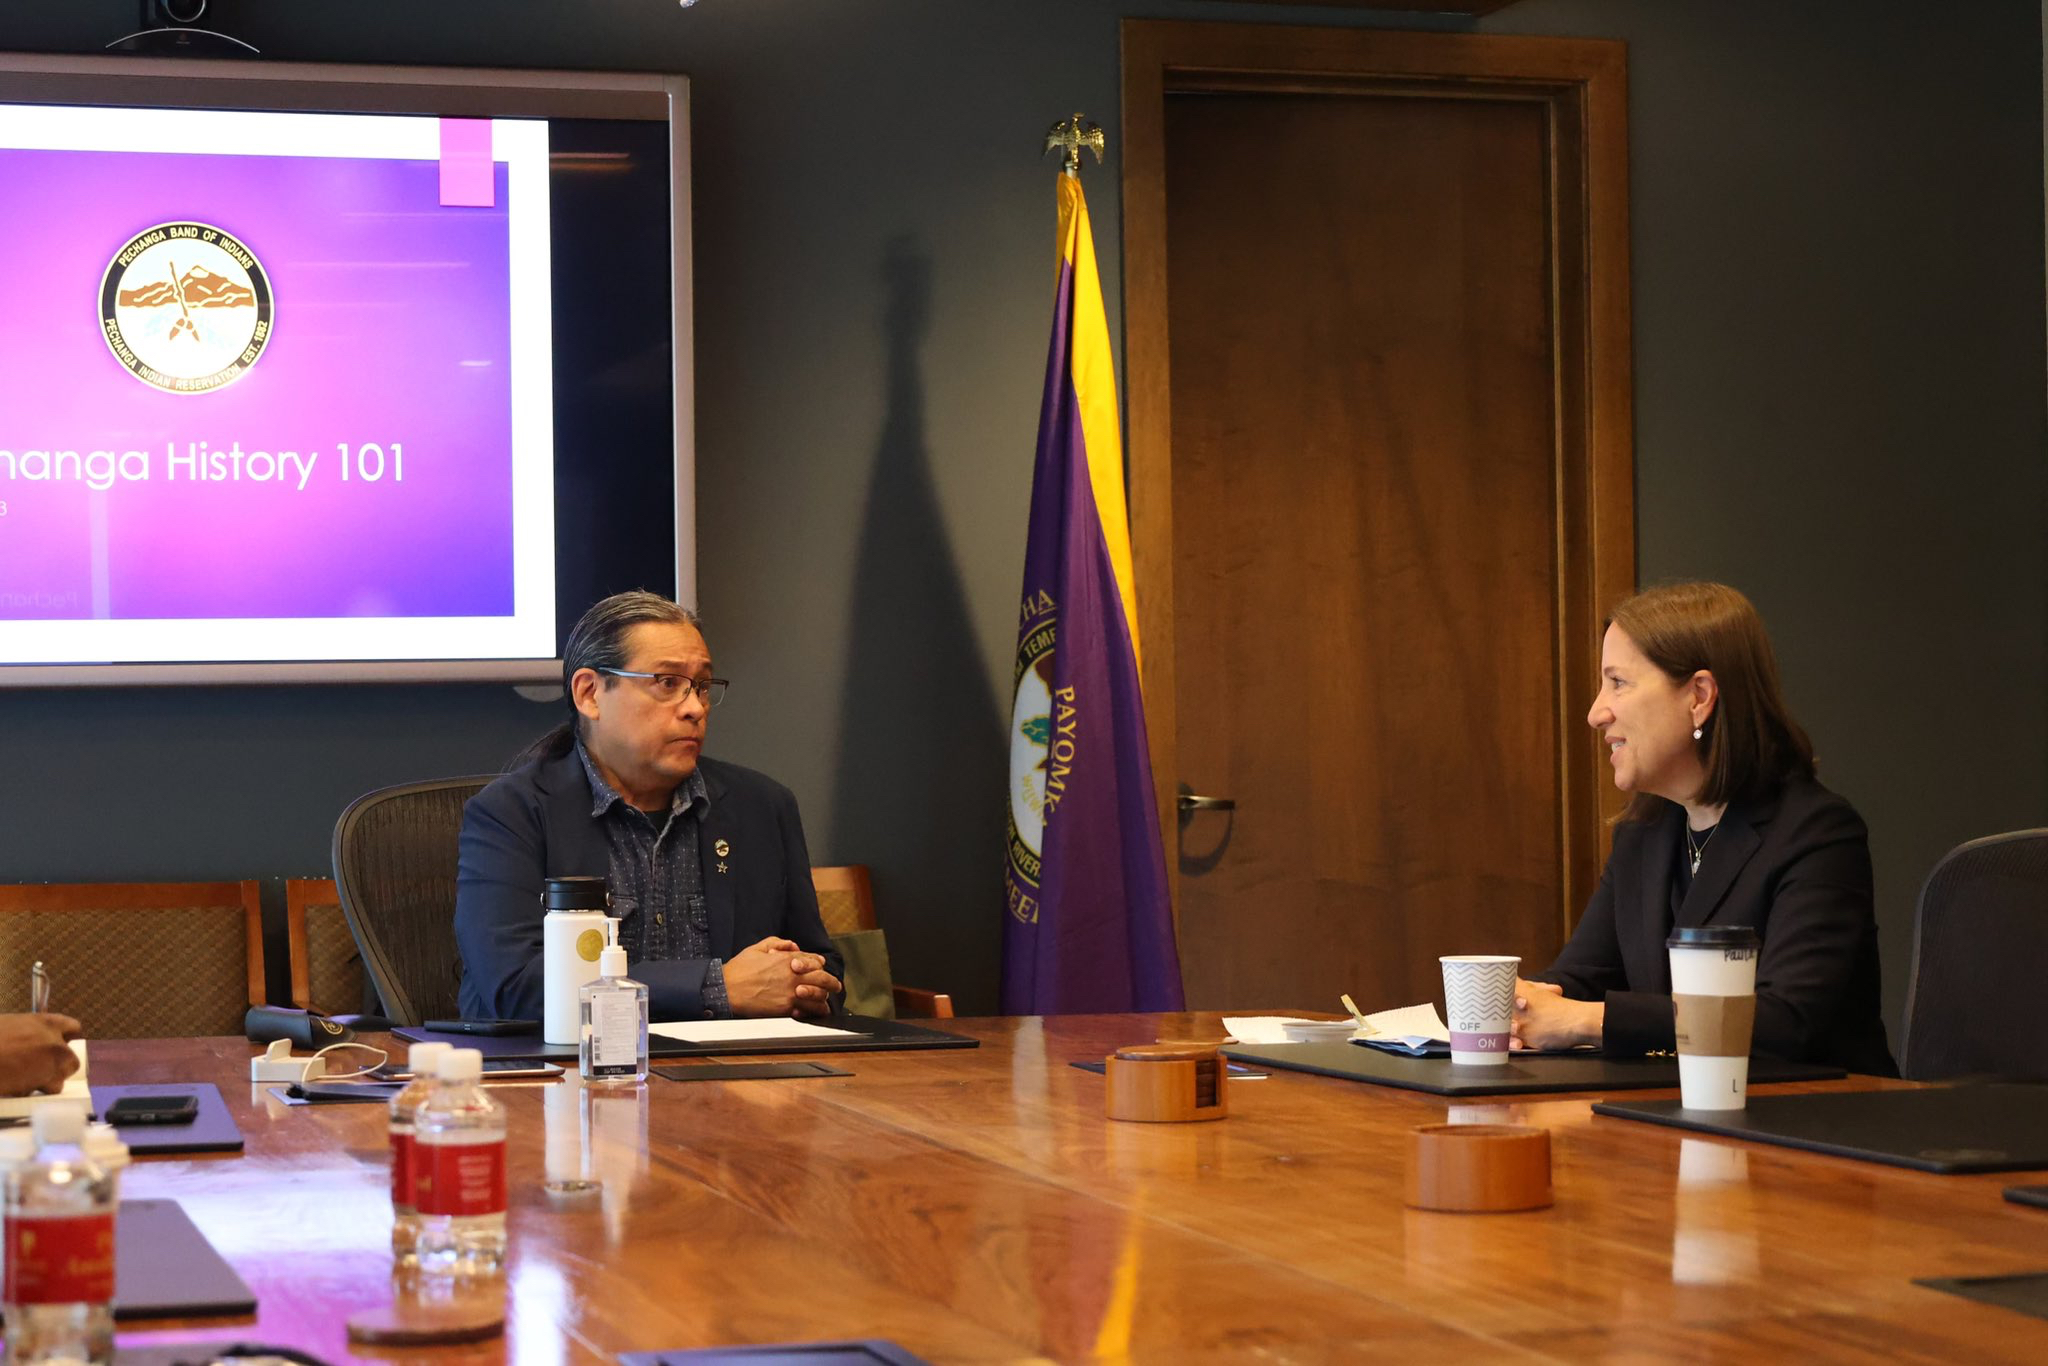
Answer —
1696 733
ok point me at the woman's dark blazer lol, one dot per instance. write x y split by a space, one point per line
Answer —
1796 867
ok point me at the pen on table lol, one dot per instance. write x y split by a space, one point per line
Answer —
38 988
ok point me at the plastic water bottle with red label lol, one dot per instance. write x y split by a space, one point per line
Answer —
458 1172
59 1295
405 1218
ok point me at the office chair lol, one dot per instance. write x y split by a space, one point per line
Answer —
1980 945
846 903
394 868
137 960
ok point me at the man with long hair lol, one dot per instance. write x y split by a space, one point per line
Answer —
705 860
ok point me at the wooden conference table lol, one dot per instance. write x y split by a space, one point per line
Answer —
974 1205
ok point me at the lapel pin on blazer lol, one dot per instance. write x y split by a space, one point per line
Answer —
721 848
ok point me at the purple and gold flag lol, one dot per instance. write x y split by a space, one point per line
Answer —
1089 925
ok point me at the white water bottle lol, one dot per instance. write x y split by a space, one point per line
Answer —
17 1149
102 1143
59 1298
405 1218
459 1172
613 1050
574 932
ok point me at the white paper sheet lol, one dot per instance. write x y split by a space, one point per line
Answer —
1259 1028
1411 1025
745 1031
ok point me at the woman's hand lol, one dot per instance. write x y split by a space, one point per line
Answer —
1546 1018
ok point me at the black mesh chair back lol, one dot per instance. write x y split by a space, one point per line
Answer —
1980 948
394 866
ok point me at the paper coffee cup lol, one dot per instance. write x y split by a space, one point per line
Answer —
1479 1006
1713 998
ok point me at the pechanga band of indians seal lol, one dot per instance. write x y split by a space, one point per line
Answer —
186 307
1035 787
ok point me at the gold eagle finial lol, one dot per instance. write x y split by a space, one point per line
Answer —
1070 136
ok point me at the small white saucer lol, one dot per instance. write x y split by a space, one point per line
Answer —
1319 1031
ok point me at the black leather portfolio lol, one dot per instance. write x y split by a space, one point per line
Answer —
868 1353
868 1036
164 1267
1997 1127
2027 1292
1521 1074
2037 1196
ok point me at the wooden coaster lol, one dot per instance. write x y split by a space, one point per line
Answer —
1166 1050
1478 1168
1165 1083
406 1323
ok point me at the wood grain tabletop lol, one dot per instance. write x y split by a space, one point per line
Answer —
975 1205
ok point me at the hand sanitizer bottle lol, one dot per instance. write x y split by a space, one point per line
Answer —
613 1048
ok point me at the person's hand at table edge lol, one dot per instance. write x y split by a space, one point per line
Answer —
777 976
1546 1018
814 985
33 1052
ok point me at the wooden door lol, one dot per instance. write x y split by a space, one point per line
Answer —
1381 491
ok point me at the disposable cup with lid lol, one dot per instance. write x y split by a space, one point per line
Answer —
1713 996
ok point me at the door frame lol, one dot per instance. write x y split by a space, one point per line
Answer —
1583 86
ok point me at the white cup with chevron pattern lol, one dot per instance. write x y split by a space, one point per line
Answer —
1479 1005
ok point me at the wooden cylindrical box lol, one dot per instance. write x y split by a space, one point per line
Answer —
1165 1083
1478 1168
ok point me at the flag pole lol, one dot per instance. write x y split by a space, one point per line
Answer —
1089 926
1070 136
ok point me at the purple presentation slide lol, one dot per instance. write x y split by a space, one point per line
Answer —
291 401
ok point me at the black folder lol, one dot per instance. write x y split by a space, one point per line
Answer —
164 1267
2026 1292
1997 1127
873 1352
869 1036
1521 1074
2037 1196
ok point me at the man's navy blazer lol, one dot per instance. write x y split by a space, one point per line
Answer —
1795 866
534 823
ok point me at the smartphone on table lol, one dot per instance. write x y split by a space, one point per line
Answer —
495 1029
132 1110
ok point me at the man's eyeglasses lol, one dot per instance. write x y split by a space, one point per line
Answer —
675 687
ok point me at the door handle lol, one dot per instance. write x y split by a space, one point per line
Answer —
1189 803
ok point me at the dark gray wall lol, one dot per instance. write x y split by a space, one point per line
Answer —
1837 227
1839 344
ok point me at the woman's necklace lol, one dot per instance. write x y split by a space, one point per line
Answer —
1698 849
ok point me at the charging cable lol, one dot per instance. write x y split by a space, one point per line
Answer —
278 1064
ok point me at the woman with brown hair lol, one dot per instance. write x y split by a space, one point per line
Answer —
1725 825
